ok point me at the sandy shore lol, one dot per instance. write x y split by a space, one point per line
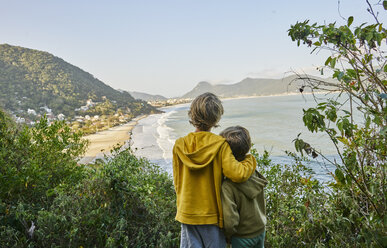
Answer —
102 142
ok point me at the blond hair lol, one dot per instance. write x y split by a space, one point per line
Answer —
239 140
205 111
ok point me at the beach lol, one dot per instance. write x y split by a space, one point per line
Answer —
102 142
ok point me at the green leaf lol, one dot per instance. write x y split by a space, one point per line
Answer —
347 112
350 20
351 73
331 114
349 179
340 176
385 4
385 68
333 63
328 60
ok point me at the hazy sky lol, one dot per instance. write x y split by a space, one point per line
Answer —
167 47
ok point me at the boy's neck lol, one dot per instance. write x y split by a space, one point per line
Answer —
198 130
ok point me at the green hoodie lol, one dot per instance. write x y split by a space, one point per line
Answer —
244 210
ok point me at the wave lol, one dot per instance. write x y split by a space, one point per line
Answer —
152 139
164 140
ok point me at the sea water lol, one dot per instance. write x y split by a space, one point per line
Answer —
273 122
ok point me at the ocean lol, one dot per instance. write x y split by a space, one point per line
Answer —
273 122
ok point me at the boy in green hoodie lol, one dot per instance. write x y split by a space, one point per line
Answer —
200 159
243 204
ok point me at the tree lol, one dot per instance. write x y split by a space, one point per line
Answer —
359 64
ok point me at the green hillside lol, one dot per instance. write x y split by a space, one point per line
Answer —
32 79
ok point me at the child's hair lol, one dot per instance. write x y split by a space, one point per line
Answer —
239 140
205 111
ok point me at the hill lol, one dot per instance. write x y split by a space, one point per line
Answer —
37 82
248 87
147 97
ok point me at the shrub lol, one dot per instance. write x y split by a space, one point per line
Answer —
48 200
126 202
295 203
359 66
33 163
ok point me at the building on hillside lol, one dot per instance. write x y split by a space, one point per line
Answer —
61 117
84 108
90 103
19 119
50 116
31 111
47 109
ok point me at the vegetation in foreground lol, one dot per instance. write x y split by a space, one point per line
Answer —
48 200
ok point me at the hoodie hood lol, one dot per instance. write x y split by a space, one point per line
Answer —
197 150
253 186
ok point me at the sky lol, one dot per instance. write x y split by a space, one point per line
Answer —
166 47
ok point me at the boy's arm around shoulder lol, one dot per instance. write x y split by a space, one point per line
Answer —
230 209
233 169
175 165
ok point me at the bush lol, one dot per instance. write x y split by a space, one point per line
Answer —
33 163
47 200
303 212
126 202
295 203
359 66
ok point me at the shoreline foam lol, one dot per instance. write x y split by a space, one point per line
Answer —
102 142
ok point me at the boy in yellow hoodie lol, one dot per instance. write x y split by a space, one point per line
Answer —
199 160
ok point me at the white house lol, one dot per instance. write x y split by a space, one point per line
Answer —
31 111
61 117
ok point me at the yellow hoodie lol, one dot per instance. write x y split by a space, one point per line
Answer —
199 159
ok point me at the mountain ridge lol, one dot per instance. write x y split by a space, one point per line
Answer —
250 87
147 97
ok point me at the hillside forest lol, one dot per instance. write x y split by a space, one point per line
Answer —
35 83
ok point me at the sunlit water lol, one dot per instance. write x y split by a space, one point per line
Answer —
273 122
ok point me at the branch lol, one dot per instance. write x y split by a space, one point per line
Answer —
338 10
371 11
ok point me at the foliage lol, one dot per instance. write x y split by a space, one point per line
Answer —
127 202
48 200
34 162
359 65
295 204
303 212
